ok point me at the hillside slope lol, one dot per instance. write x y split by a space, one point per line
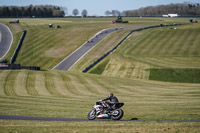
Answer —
72 95
46 47
171 47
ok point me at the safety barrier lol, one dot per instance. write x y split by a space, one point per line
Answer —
17 67
13 58
116 46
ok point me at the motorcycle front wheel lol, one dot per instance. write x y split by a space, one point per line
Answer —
117 114
92 114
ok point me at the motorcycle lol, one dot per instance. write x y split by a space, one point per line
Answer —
101 111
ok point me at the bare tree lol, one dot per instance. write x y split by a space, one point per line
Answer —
84 13
64 9
75 12
181 9
107 13
115 13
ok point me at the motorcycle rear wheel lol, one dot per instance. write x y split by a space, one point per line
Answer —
92 114
117 114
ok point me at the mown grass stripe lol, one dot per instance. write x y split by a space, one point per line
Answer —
190 42
140 43
29 52
60 84
40 41
88 85
151 44
160 43
40 84
70 88
95 86
169 43
20 83
185 42
50 85
30 84
9 87
180 43
3 76
78 86
194 42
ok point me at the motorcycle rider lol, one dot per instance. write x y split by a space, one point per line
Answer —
112 99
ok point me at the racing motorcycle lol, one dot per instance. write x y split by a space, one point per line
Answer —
101 111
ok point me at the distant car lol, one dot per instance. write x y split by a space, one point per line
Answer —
14 21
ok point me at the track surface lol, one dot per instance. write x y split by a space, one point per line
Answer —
6 40
70 60
12 117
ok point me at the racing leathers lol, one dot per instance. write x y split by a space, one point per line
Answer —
112 99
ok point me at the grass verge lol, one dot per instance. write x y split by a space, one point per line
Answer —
97 127
100 68
176 75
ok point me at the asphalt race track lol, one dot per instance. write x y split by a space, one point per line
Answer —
12 117
5 41
70 60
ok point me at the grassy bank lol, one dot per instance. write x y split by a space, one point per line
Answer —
167 48
46 47
100 68
176 75
72 95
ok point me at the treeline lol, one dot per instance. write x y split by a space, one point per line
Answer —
184 9
32 11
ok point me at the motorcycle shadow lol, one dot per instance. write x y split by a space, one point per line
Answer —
134 119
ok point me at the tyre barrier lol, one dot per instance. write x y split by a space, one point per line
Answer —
13 58
17 67
116 46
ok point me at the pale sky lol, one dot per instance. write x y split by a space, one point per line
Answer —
95 7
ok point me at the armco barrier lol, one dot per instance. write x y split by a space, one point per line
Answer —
116 46
13 58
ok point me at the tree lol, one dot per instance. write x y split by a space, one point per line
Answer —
29 10
181 9
84 13
107 13
58 13
75 12
115 13
64 9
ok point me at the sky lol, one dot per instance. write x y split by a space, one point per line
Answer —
95 7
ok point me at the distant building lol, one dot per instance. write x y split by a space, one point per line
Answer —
165 16
170 16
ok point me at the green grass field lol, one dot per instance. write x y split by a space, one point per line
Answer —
126 72
72 95
46 47
166 48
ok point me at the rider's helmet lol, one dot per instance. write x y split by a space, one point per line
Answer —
110 94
